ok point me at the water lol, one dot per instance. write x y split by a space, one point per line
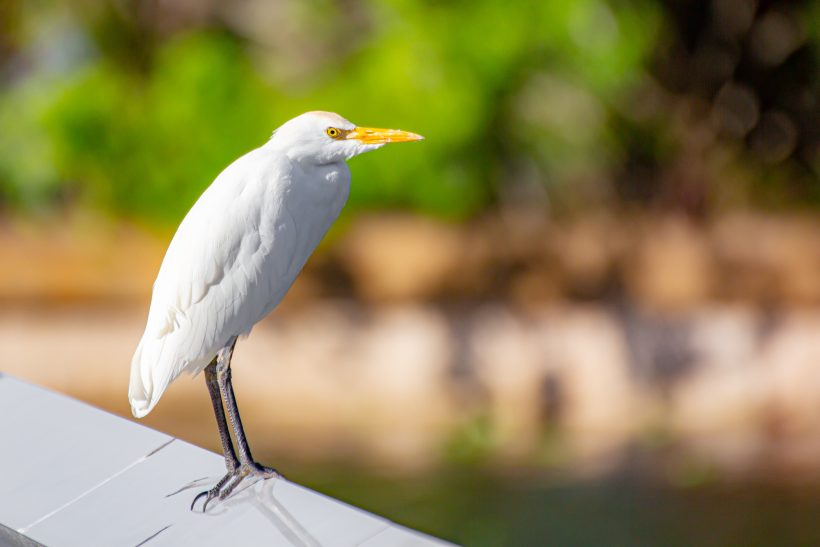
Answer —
474 508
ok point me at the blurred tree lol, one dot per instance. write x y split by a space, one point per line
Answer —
744 77
134 107
160 100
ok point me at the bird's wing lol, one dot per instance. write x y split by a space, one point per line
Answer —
215 281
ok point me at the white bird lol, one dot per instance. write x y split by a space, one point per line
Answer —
233 258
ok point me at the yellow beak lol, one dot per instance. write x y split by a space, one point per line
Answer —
375 135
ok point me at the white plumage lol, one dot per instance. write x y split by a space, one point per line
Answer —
243 243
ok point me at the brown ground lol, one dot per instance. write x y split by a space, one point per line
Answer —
408 341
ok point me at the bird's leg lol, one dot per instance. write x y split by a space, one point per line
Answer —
247 466
220 387
231 463
224 433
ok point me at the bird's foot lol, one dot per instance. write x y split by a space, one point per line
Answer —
232 479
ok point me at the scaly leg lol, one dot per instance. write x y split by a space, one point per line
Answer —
231 463
246 466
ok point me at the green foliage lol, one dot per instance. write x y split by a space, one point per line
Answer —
489 84
473 442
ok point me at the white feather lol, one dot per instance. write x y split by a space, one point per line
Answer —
232 260
241 246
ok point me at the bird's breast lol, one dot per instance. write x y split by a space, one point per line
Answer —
299 211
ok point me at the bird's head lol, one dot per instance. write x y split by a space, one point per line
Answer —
324 137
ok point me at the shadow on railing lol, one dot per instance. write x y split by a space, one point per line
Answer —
260 494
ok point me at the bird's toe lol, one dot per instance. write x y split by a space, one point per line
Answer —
265 472
214 492
209 496
232 480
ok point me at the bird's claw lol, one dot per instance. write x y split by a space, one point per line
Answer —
232 479
211 494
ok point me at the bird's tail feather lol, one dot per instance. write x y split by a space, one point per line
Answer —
147 379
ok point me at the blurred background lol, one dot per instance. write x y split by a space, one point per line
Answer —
585 311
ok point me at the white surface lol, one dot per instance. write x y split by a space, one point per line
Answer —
55 449
75 475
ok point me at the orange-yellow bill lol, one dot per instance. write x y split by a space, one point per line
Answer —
375 135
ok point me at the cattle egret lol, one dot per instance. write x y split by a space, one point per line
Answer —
233 258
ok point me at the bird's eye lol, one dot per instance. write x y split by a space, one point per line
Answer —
333 133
